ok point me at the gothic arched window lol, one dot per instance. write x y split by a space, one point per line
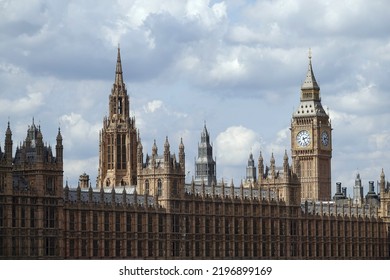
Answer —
159 187
147 187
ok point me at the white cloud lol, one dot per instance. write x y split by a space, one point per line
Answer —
79 135
234 145
153 106
280 144
24 105
73 168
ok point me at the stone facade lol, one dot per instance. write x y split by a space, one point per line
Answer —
142 208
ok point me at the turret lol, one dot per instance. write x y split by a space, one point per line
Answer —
140 154
154 153
371 196
261 167
251 169
59 147
273 169
182 160
285 164
167 153
382 183
358 191
84 181
8 145
340 193
205 165
39 145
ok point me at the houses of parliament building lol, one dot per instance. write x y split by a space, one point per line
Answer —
142 208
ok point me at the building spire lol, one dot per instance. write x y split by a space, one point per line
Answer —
310 81
118 70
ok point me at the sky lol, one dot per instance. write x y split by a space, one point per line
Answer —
235 65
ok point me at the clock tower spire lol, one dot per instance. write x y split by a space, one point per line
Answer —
311 141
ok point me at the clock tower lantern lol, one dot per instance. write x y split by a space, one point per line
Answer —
311 142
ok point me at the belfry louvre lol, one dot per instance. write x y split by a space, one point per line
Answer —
142 208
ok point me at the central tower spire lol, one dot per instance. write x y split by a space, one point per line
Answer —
118 71
119 100
118 137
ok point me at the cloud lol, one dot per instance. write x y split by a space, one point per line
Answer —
235 64
80 137
234 145
23 105
73 168
152 106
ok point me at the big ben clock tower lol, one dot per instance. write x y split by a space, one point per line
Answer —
311 142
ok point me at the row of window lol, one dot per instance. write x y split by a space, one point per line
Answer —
138 222
28 247
234 249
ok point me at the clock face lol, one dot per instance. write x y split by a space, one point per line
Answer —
303 138
325 138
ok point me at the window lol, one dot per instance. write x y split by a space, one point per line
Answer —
146 186
83 221
139 248
1 216
208 247
95 221
175 223
2 183
106 221
227 249
14 215
119 105
160 223
128 248
227 226
110 152
32 217
106 248
50 213
255 226
84 246
236 226
150 248
117 222
50 246
139 223
128 222
71 220
71 248
246 229
95 248
161 248
50 185
208 225
121 151
159 187
150 223
197 248
33 246
174 187
117 248
23 216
